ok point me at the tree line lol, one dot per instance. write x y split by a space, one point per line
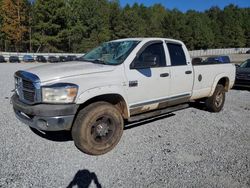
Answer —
79 25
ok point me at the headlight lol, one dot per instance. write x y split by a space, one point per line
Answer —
59 93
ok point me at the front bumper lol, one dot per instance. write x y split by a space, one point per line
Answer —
46 117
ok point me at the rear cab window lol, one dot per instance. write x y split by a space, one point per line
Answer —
177 55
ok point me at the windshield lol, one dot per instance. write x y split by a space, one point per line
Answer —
246 64
110 53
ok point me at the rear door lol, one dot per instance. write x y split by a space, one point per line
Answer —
181 71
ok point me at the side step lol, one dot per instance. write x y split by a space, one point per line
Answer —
157 112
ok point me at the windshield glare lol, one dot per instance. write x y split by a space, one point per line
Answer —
111 53
246 64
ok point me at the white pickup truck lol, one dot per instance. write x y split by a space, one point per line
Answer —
121 80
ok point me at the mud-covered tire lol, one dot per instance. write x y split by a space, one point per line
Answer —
216 102
97 128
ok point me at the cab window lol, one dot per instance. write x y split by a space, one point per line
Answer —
152 56
177 55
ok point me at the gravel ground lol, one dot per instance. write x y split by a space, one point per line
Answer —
190 148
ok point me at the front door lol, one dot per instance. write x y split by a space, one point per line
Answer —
148 78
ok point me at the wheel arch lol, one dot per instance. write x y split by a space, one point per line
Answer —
223 80
117 99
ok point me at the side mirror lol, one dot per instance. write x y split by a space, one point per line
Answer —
237 65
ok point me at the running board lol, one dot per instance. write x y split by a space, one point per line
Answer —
157 112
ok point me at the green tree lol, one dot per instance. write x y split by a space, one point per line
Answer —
79 25
246 25
115 19
155 16
202 36
88 23
215 14
48 22
172 24
232 31
132 24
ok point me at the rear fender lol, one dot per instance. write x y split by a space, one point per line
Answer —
216 81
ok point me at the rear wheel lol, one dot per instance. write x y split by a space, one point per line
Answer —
216 102
98 128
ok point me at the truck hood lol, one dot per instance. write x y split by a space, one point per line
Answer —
55 71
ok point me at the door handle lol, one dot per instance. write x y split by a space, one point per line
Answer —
188 72
164 75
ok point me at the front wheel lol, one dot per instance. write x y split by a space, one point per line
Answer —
216 102
98 128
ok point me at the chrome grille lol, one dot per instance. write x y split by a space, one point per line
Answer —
27 87
28 91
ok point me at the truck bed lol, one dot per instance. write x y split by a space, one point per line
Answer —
207 76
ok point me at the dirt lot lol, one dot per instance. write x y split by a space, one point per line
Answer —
190 148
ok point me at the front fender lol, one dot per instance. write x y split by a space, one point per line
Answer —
102 90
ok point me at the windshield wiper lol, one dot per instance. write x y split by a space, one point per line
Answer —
99 61
92 60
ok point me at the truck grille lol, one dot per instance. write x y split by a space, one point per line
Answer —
28 85
27 89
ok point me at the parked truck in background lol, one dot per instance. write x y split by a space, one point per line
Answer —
127 79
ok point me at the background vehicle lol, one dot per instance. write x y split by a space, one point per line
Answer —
243 74
28 59
248 52
2 59
53 59
218 59
41 59
127 79
71 58
62 59
14 59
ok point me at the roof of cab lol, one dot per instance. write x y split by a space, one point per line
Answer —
149 39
